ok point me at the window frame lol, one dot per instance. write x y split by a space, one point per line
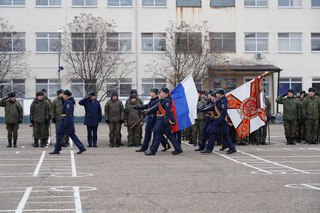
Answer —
154 4
15 37
290 6
256 4
49 5
222 1
117 83
119 38
315 7
211 36
189 43
153 43
318 38
290 40
49 82
256 42
12 82
48 42
129 6
152 84
78 82
84 38
12 5
85 5
197 6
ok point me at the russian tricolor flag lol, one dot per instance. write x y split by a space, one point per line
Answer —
184 104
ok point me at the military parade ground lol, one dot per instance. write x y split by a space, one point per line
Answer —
270 178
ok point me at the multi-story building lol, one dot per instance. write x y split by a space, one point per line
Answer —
283 33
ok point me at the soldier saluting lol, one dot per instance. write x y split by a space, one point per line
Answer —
66 125
13 116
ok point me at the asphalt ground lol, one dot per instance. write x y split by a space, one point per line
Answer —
275 178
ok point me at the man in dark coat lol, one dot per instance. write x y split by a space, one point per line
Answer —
218 125
164 121
13 117
92 117
66 125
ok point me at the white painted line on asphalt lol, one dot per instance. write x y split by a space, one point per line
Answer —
312 187
23 201
60 202
77 199
278 164
245 164
17 152
71 142
36 171
48 210
73 164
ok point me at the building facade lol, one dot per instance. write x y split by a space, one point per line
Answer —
283 33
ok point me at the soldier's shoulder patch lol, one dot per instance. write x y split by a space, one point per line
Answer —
167 104
68 106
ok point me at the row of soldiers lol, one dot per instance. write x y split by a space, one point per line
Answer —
301 116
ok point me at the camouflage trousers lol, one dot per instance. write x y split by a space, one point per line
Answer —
115 132
312 130
290 128
12 129
197 130
301 131
134 136
259 136
40 131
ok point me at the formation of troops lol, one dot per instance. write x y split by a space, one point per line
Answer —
300 119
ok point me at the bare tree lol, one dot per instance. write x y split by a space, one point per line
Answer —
13 63
90 55
187 51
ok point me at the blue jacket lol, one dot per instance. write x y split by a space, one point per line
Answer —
218 124
93 112
66 124
164 116
151 119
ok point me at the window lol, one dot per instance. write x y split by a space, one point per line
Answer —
315 42
153 41
83 42
223 42
256 42
12 42
51 85
12 2
84 3
149 83
188 3
189 42
222 3
15 85
119 42
47 42
122 86
316 83
315 3
255 3
266 84
154 3
119 3
78 88
289 3
290 83
289 42
48 3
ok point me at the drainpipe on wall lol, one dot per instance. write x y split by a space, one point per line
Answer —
137 48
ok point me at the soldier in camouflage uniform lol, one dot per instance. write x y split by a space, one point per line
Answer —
199 122
114 112
301 125
291 113
56 107
45 97
311 113
39 118
130 117
13 117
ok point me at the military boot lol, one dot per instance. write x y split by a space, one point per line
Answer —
9 143
292 141
43 143
288 140
15 143
35 143
111 142
117 143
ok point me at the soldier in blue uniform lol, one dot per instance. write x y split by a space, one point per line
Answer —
150 122
92 117
211 100
164 120
218 126
66 125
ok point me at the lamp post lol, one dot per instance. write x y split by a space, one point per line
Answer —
59 56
